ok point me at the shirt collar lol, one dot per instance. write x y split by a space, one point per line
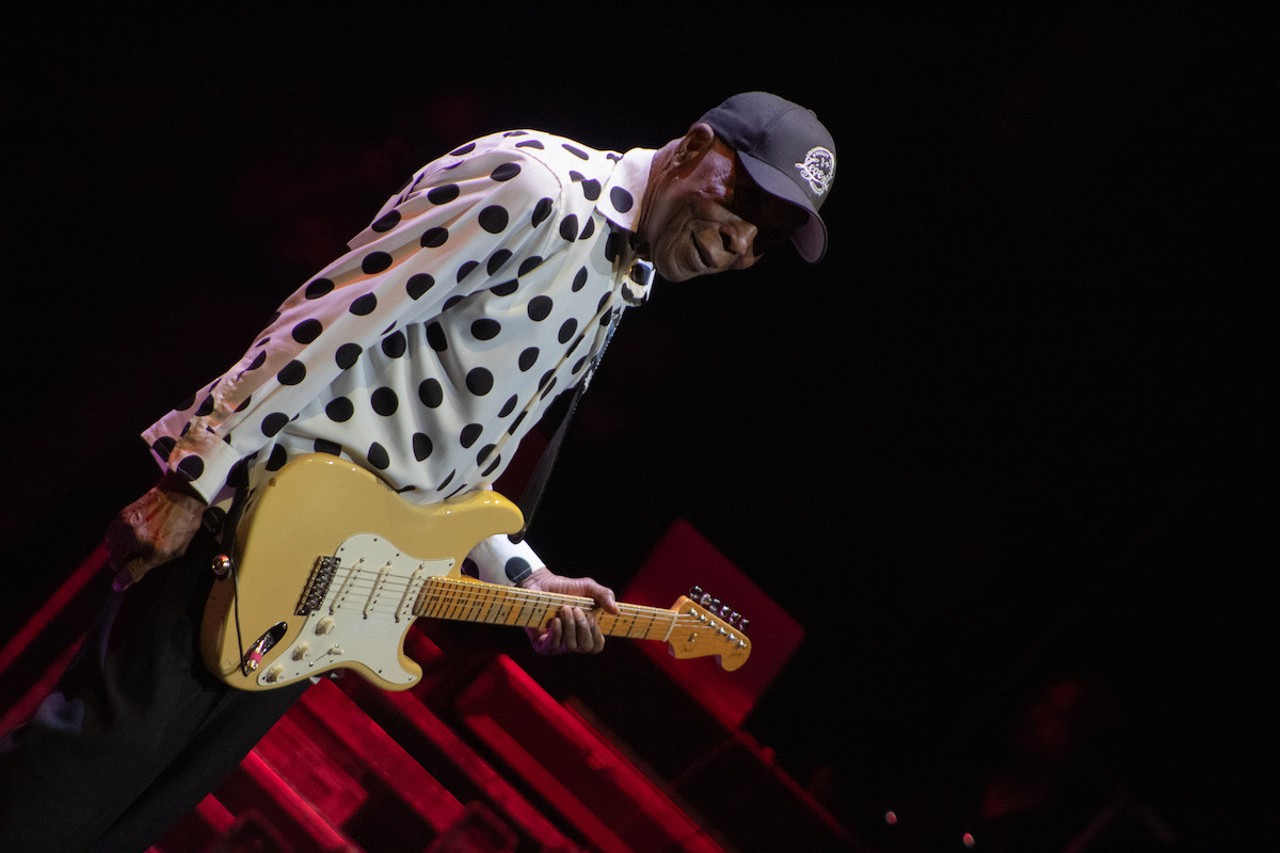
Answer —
620 203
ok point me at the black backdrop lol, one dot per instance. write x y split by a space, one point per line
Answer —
1006 430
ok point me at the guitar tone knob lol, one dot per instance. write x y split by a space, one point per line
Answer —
325 625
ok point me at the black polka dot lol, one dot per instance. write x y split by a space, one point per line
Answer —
516 569
527 359
273 423
497 461
485 329
206 407
569 227
516 423
580 280
465 269
387 222
443 194
378 456
244 404
591 189
347 355
470 434
325 446
541 211
339 410
463 149
431 393
318 288
375 262
530 264
191 467
447 480
238 478
588 229
479 381
307 331
484 453
470 569
436 337
257 362
162 447
419 284
277 458
576 151
539 308
497 260
384 401
494 219
531 143
567 328
505 172
292 373
422 446
613 246
433 238
621 199
505 289
394 345
546 378
363 305
509 406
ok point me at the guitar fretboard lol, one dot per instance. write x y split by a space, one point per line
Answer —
450 598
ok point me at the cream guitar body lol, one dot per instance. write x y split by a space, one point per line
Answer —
332 567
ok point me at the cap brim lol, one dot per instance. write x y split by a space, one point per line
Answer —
809 239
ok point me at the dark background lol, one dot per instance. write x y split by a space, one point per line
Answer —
1009 429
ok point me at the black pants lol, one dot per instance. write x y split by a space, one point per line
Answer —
137 732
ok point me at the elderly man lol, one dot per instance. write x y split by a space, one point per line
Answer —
485 287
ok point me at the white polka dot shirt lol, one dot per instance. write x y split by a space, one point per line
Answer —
481 290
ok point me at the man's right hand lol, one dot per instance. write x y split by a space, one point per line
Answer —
152 530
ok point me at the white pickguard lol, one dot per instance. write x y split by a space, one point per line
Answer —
363 616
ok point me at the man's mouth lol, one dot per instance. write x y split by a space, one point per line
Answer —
701 251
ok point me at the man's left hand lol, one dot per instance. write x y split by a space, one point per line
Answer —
574 629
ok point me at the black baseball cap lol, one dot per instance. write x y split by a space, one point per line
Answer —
787 151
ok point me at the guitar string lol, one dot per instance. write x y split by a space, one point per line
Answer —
365 580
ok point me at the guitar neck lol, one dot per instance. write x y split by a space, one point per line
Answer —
467 601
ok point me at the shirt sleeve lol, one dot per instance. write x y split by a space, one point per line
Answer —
499 560
461 212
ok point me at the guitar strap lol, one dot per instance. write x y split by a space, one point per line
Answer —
532 494
635 278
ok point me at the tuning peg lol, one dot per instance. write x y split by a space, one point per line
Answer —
742 625
734 617
695 592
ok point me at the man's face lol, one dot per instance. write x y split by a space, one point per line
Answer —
708 216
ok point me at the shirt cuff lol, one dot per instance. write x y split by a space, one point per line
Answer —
499 560
199 457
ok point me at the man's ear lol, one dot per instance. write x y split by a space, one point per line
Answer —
696 142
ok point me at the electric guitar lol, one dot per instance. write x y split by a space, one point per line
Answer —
332 567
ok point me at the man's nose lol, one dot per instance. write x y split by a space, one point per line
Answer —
738 238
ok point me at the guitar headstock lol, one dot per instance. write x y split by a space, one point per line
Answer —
706 626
